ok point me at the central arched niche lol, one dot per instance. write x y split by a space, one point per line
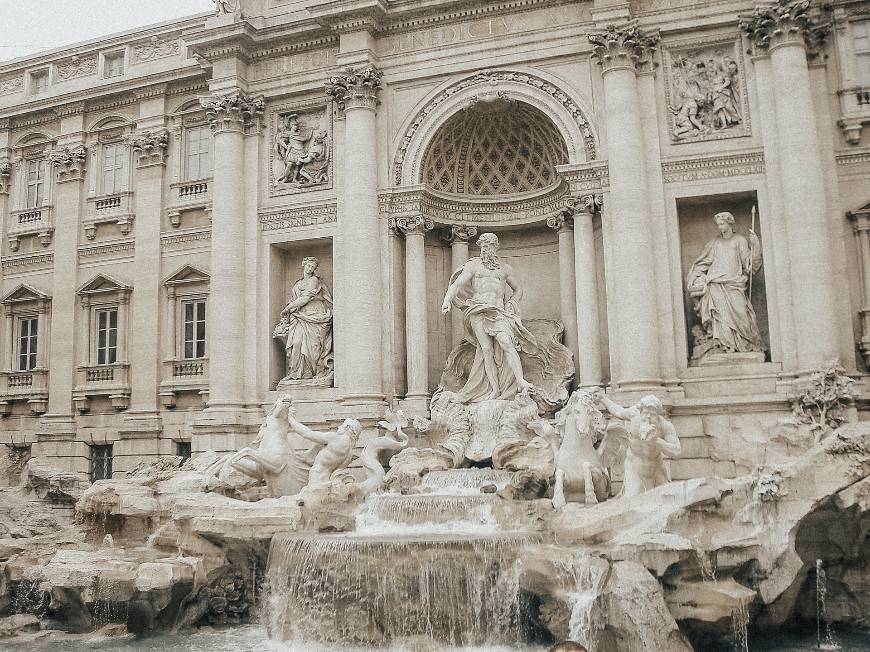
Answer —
494 148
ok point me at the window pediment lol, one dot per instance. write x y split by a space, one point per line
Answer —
103 285
24 294
187 274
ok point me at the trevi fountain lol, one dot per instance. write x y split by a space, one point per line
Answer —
544 327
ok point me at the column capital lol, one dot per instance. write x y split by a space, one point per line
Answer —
69 161
5 173
625 46
233 111
561 221
785 22
458 233
355 88
151 146
590 203
413 225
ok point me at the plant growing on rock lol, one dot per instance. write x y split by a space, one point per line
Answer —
822 402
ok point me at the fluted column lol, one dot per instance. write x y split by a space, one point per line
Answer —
563 224
458 236
416 313
784 29
357 286
229 115
634 321
586 298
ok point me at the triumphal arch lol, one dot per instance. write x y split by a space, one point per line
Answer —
201 216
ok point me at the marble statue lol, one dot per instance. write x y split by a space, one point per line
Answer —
488 294
581 471
331 450
306 327
303 152
718 282
650 437
231 7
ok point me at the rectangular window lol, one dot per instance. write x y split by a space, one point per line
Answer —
113 64
182 450
114 168
35 182
861 37
194 329
107 336
198 152
101 462
28 328
38 81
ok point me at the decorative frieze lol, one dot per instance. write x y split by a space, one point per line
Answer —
155 48
355 88
705 91
76 67
293 218
187 240
713 167
626 46
150 145
301 155
26 263
107 251
69 162
12 85
785 22
233 112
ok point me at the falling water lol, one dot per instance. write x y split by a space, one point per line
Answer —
430 509
823 626
740 627
373 590
587 614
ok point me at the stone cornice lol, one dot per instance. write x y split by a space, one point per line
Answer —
355 88
298 217
625 46
713 167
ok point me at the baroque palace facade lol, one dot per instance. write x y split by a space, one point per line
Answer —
161 192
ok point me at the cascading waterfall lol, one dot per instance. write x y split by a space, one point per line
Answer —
824 635
587 614
740 627
357 589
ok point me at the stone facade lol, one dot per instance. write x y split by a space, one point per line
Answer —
160 190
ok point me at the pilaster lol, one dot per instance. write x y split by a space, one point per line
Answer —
563 224
458 236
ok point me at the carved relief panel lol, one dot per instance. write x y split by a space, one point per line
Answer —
705 90
301 149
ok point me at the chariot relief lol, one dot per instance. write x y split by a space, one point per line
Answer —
301 152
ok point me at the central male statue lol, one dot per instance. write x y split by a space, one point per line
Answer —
492 317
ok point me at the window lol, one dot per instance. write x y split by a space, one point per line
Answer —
27 335
194 329
101 462
39 81
114 168
35 182
113 64
198 152
107 336
861 36
182 450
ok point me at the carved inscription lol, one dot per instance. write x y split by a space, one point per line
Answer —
295 63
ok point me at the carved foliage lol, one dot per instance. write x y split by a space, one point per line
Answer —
69 162
11 85
151 146
155 48
301 153
784 21
624 46
5 173
705 92
77 67
234 111
355 88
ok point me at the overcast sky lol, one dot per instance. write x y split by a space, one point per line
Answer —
30 26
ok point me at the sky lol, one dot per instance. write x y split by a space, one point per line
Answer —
31 26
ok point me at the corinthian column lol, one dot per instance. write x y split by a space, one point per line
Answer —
229 116
563 224
628 238
357 283
458 236
416 321
784 29
586 287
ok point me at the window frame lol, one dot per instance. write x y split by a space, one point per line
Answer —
862 73
113 55
40 183
111 309
33 88
120 170
106 462
32 337
201 129
181 327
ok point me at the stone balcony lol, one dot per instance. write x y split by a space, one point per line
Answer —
186 196
116 208
183 376
30 386
110 380
38 222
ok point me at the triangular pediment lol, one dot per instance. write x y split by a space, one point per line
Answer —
24 293
101 284
187 274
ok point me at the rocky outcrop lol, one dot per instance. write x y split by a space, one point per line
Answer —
52 484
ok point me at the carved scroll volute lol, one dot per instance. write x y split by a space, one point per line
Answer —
622 47
355 88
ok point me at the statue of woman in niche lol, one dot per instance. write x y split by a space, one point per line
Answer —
306 327
718 283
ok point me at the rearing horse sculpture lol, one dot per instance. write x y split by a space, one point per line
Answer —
581 473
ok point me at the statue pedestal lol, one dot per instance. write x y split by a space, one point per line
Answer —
724 359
